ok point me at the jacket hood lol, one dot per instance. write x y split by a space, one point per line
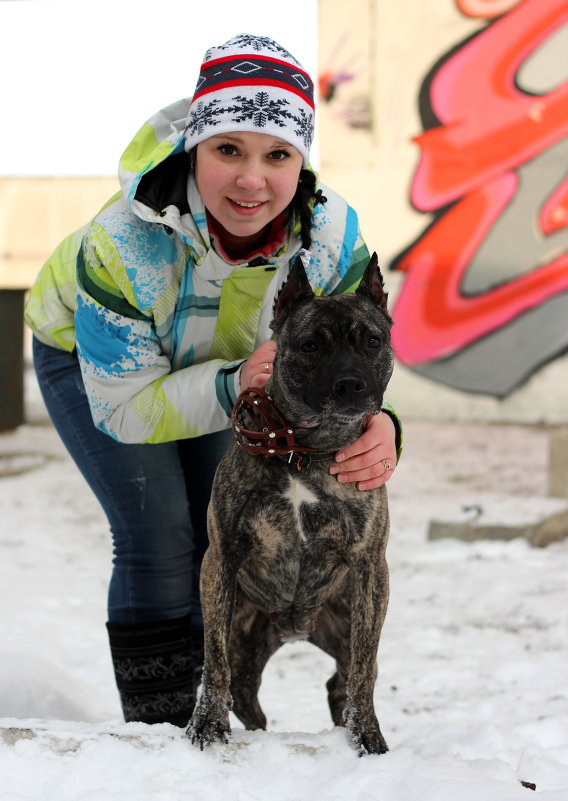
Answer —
156 181
158 139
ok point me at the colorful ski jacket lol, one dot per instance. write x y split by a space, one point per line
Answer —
162 322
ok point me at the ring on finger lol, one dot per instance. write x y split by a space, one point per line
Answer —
386 464
266 368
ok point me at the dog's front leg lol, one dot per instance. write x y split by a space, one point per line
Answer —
369 588
210 720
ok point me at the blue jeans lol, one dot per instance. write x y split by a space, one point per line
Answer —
155 498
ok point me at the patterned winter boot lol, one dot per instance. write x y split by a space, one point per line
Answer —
157 668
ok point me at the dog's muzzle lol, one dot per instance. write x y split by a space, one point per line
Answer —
262 430
258 427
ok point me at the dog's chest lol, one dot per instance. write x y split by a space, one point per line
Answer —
296 520
297 550
297 494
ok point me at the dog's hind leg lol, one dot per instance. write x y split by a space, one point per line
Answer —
337 696
253 641
332 635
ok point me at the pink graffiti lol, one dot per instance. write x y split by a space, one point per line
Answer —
554 214
488 128
487 9
435 318
488 124
338 72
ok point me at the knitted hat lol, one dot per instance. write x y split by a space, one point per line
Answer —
251 83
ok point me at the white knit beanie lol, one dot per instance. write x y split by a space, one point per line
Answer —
251 83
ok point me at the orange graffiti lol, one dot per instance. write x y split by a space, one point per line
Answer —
489 134
436 318
487 123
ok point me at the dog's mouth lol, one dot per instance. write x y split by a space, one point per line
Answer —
332 413
312 424
309 419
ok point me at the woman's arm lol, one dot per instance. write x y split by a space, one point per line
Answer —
133 393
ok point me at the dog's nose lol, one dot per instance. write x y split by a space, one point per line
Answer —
349 388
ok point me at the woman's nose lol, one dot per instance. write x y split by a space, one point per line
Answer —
250 177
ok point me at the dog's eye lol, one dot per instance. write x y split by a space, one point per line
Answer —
374 342
309 346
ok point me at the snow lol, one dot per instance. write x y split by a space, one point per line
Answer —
472 692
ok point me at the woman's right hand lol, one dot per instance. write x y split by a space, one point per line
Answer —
257 369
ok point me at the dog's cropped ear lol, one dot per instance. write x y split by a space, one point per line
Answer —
372 284
296 289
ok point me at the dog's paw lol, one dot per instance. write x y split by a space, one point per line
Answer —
369 743
365 733
209 723
205 731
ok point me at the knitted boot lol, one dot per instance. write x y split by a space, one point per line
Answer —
157 668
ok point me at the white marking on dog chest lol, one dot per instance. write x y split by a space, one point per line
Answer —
298 493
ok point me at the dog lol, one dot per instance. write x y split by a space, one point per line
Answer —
293 553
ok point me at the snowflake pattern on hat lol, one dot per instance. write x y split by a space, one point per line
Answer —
306 129
202 116
257 43
261 109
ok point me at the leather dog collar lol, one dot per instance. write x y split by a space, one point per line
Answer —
262 430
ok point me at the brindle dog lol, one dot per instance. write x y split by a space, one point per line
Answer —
294 554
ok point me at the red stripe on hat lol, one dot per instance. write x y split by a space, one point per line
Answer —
242 56
254 82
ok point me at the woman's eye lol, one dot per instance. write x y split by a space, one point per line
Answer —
227 150
309 346
279 155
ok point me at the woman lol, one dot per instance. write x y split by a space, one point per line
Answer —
176 280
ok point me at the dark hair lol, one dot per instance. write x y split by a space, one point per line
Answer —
303 204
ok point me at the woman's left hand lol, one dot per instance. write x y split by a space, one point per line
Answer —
371 459
257 369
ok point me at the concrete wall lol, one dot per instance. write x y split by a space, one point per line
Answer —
36 214
444 124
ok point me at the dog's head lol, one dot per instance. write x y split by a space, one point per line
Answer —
334 357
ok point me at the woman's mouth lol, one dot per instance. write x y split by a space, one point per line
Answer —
246 207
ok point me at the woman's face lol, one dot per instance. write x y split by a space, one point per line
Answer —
245 180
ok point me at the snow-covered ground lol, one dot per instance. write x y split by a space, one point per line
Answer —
473 664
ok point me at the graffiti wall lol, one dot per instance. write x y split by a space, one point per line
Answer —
484 303
482 284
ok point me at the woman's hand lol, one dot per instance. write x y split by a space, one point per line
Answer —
371 459
257 369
